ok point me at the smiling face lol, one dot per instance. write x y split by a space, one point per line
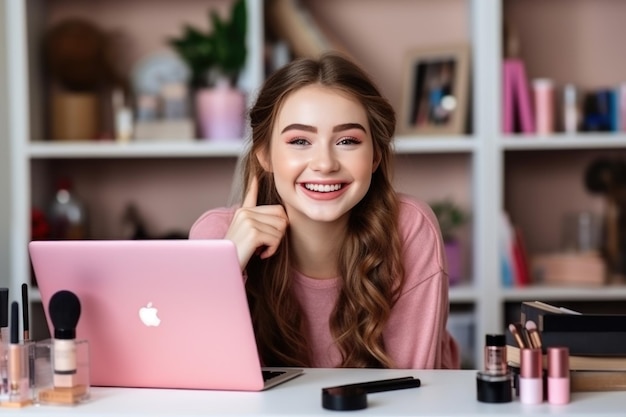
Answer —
321 154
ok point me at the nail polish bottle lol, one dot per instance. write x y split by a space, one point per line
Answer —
558 375
530 378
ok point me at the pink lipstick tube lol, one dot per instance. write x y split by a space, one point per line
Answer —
558 375
530 379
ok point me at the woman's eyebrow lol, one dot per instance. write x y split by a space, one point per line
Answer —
313 129
348 126
298 126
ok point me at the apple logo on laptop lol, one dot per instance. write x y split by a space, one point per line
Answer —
149 315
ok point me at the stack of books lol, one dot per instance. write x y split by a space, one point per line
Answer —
597 344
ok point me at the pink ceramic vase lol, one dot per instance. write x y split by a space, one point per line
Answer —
220 112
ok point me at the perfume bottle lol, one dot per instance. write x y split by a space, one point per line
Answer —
67 213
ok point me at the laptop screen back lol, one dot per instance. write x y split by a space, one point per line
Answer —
156 313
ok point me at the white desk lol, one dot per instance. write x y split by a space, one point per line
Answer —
443 393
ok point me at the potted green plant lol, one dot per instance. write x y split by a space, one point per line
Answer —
216 59
451 217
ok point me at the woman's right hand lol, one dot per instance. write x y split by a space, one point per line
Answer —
257 229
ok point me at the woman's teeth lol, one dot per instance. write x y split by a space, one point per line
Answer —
322 188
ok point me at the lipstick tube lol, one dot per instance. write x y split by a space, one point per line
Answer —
530 378
558 375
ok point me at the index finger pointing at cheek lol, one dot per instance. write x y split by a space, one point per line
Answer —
252 194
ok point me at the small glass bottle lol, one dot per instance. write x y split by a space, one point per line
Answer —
67 213
494 383
495 354
544 105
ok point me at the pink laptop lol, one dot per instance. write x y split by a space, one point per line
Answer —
158 313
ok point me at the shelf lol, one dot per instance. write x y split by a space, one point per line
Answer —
216 149
581 293
462 294
564 141
428 144
109 149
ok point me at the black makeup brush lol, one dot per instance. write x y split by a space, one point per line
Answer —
64 311
15 323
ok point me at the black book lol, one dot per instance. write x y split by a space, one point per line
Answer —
583 334
549 318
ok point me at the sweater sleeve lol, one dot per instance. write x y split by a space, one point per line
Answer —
417 336
213 224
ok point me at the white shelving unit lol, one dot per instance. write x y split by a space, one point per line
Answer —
485 151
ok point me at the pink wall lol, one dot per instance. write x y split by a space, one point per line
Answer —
138 27
169 193
577 41
380 34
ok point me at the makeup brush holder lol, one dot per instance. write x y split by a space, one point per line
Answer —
61 374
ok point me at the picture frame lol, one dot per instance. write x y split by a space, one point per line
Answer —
435 91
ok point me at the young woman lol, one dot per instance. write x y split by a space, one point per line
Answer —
341 271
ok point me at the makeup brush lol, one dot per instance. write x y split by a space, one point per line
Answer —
533 332
64 311
519 333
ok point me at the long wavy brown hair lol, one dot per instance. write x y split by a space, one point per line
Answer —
370 262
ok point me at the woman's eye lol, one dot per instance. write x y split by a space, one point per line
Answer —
298 141
349 141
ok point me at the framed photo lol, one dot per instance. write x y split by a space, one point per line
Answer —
435 91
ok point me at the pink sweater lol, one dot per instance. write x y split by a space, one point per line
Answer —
415 335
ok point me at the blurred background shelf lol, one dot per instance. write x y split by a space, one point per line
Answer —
565 141
406 144
564 293
536 179
105 149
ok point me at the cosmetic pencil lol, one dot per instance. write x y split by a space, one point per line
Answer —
354 396
25 319
26 333
384 384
